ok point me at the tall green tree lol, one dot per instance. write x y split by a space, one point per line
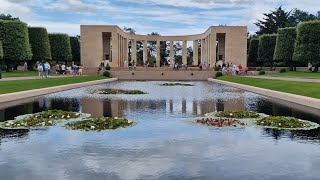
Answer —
284 49
253 52
307 47
39 41
60 47
75 49
266 48
297 16
279 18
189 55
15 39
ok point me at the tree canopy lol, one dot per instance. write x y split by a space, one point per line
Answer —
266 48
8 17
308 43
253 52
285 45
15 42
39 41
75 49
60 47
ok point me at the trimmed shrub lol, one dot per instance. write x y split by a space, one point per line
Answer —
258 68
285 45
308 43
262 72
283 70
106 74
15 42
60 47
253 52
75 49
217 68
1 51
218 74
108 67
266 47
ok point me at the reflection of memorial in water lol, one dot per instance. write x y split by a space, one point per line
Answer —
107 108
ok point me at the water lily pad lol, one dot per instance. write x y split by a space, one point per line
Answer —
237 114
119 91
100 124
176 84
283 122
41 119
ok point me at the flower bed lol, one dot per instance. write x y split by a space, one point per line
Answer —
40 119
283 122
100 124
234 114
176 84
220 122
119 91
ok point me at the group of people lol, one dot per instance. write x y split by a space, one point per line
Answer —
44 69
233 68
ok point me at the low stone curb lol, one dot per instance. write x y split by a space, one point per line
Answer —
39 92
298 99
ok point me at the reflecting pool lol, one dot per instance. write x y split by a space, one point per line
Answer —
162 145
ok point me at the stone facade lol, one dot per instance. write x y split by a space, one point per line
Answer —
109 44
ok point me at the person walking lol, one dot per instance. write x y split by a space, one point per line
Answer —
63 69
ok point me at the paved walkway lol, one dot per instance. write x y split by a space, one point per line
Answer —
286 79
28 77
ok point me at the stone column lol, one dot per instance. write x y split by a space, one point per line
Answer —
195 52
209 51
202 50
126 52
213 47
114 52
158 54
119 50
134 50
171 54
184 52
145 51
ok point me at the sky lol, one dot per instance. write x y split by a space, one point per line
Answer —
167 17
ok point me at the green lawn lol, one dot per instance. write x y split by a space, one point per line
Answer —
296 74
300 88
20 73
23 85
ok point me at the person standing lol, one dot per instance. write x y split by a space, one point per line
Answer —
63 69
25 66
40 69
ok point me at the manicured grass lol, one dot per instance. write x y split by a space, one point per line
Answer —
301 88
20 73
294 74
23 85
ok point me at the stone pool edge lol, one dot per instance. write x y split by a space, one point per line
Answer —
298 99
43 91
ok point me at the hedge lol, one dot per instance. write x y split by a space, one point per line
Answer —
266 47
308 43
39 41
285 45
253 52
1 51
15 42
75 49
60 47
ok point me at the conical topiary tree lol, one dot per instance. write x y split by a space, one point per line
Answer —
266 47
60 47
253 52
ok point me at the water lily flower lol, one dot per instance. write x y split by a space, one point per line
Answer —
62 116
92 127
279 124
116 117
68 116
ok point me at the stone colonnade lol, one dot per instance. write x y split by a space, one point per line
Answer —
224 43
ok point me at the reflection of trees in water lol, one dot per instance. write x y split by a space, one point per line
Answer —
12 134
305 135
39 105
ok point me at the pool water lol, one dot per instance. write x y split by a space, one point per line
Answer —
162 145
